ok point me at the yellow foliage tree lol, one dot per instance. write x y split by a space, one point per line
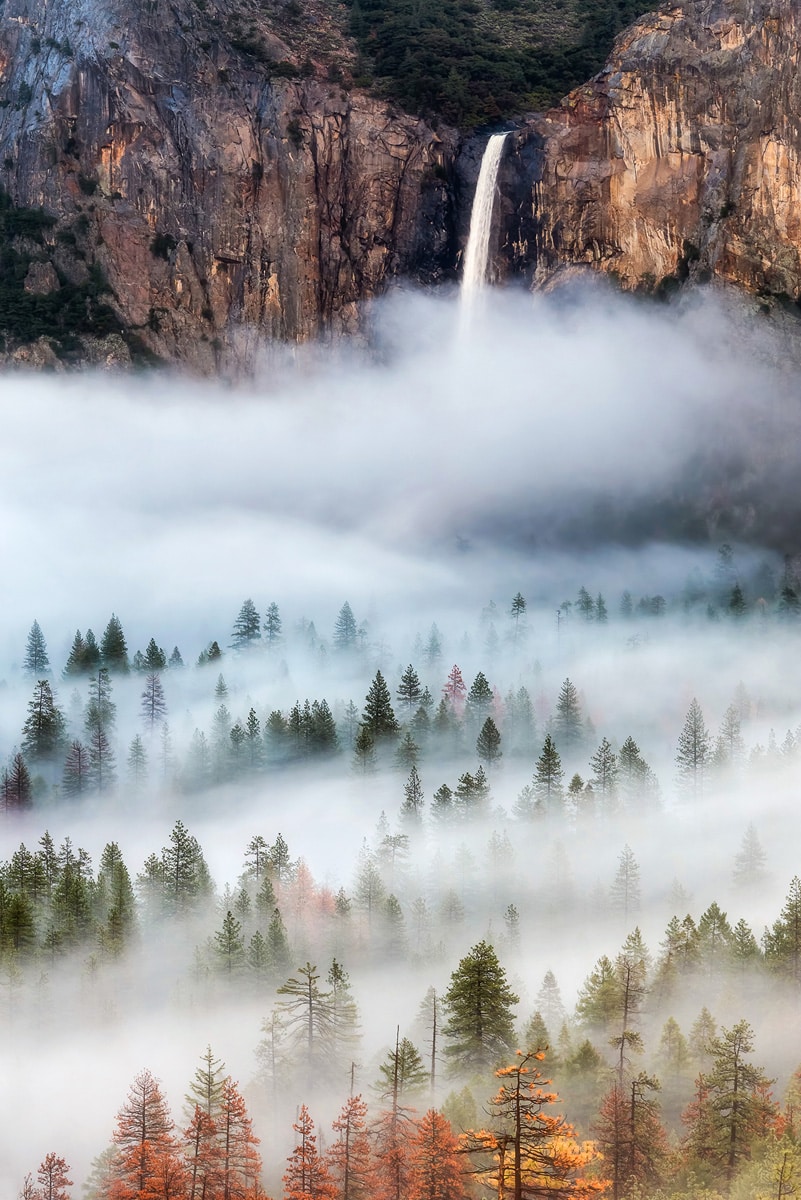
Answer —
528 1151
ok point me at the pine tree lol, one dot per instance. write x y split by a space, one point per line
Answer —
364 760
532 1152
101 711
187 881
436 1164
631 1137
409 689
153 705
518 611
412 807
16 788
782 942
76 662
43 734
239 1160
137 763
113 901
345 630
102 774
568 723
454 690
247 627
113 649
52 1176
154 657
36 662
692 755
624 896
378 716
402 1074
144 1139
749 864
479 699
488 743
272 626
548 779
229 945
478 1003
348 1158
604 775
307 1176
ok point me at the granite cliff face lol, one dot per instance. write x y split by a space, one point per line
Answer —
209 172
226 182
681 158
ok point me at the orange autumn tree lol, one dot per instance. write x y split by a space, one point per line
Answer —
436 1166
147 1163
348 1158
240 1162
529 1151
52 1177
306 1176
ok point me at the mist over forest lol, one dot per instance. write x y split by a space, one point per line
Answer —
396 654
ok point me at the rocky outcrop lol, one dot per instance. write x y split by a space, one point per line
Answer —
681 158
224 182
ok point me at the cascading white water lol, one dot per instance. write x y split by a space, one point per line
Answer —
477 253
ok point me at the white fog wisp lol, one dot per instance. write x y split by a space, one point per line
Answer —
477 250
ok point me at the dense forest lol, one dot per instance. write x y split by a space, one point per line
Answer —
468 63
454 916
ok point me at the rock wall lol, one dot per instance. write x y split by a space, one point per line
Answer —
221 199
681 157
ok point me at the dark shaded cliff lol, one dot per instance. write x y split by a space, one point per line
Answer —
209 178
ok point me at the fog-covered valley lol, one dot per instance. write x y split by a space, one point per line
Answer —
586 508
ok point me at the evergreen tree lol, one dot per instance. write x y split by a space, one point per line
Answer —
36 662
175 662
229 945
137 763
782 942
749 864
548 779
412 806
364 751
478 1003
101 711
518 611
479 699
153 705
402 1075
604 775
247 627
113 649
345 630
378 717
145 1145
76 662
568 723
43 733
407 753
16 788
488 743
692 755
454 690
624 896
102 774
409 689
76 778
272 626
154 657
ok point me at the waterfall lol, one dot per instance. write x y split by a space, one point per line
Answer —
477 252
